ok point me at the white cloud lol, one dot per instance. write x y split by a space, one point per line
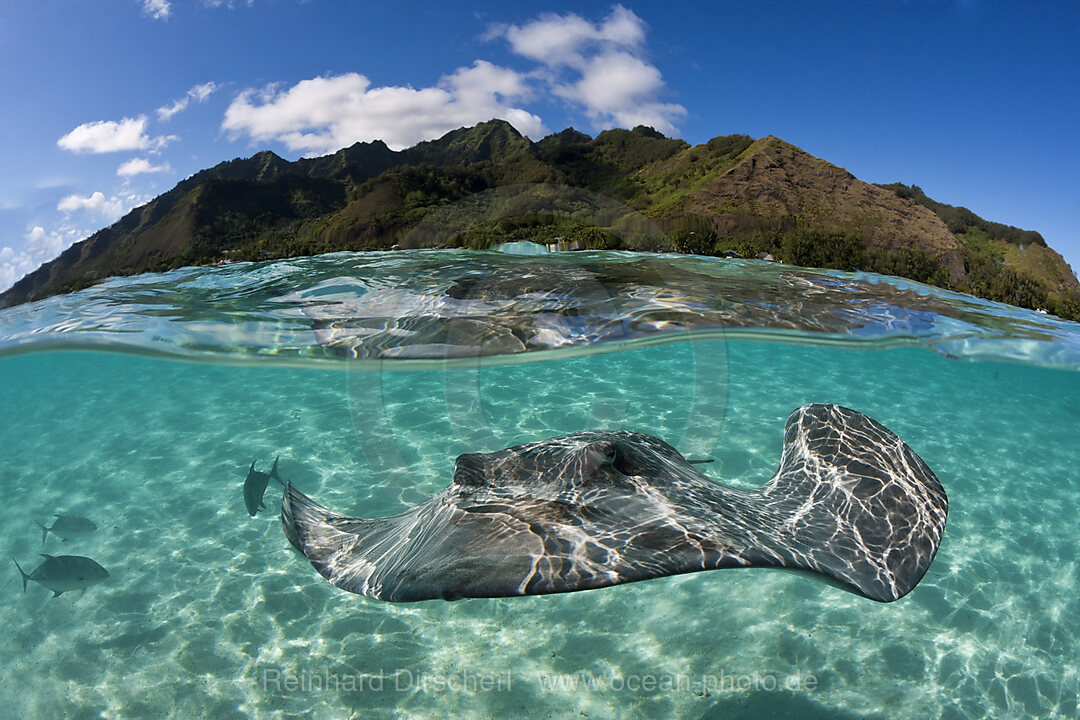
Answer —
230 4
562 39
619 89
199 93
95 204
138 166
41 247
598 66
13 266
324 114
105 136
157 9
44 245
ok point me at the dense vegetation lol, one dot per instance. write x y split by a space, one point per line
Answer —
624 189
960 219
994 259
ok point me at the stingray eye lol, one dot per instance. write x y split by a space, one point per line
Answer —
596 455
622 461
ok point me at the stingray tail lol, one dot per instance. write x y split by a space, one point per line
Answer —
25 577
44 531
855 503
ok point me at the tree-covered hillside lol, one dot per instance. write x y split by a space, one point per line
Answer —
733 194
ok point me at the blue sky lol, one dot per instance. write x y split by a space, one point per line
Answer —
108 104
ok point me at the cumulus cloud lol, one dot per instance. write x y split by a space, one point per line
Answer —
104 136
617 88
563 39
199 93
41 247
324 114
230 4
597 66
157 9
139 166
13 265
95 204
44 244
601 68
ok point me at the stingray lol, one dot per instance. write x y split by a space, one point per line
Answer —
851 504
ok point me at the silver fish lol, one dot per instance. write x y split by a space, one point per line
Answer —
61 573
255 487
67 527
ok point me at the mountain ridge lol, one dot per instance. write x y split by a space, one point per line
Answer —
731 194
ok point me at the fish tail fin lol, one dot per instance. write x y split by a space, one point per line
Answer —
855 503
25 577
44 531
274 473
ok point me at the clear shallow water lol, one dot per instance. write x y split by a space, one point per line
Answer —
451 304
205 604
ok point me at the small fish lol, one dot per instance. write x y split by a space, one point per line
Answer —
61 573
67 527
255 487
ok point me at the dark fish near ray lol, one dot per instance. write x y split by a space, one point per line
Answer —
63 573
255 487
851 503
67 527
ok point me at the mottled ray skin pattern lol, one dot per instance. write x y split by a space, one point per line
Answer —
851 502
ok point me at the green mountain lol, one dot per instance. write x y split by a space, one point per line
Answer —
731 194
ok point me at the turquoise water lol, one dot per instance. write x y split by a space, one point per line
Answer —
209 613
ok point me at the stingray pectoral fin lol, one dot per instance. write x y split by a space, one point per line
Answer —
853 502
434 550
347 551
287 522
